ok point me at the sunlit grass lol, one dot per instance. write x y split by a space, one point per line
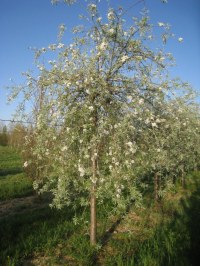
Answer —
10 161
15 186
13 182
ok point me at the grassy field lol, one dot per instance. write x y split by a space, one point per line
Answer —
10 161
13 182
166 233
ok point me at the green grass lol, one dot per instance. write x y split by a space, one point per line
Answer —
13 182
10 161
31 232
15 186
161 234
166 234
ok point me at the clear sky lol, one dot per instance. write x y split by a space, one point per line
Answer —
34 23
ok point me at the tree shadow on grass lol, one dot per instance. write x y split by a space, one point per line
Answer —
11 171
191 208
108 234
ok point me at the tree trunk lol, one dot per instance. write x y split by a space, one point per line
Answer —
93 219
93 209
156 186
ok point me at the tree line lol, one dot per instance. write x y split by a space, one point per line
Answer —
12 135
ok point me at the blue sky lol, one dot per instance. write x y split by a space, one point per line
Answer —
34 23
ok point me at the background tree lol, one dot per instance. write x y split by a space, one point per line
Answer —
3 135
17 133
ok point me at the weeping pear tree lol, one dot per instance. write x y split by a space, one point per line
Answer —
96 92
172 147
159 141
185 139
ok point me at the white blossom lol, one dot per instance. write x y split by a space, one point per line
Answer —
99 19
62 27
93 8
60 45
81 170
141 101
133 150
103 46
154 124
91 108
124 58
161 24
52 47
102 180
130 144
111 15
25 164
111 31
119 190
64 148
